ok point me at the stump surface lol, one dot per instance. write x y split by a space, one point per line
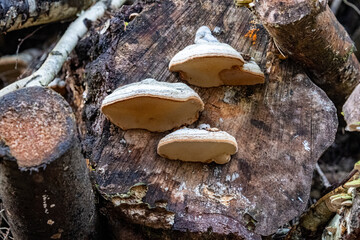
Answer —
282 127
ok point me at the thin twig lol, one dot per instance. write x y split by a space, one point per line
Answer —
353 6
324 179
54 62
3 216
21 42
335 5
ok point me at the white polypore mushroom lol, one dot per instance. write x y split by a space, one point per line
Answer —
152 105
209 63
198 145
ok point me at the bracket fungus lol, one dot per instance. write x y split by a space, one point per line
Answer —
198 145
209 63
152 105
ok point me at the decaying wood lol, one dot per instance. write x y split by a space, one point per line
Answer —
309 33
54 62
282 127
351 220
311 223
338 220
44 181
15 14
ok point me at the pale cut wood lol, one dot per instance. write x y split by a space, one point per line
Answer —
282 127
351 111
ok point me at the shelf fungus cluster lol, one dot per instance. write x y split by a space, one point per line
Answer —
161 106
209 63
345 197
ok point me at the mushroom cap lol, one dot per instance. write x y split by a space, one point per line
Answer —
354 183
214 64
152 105
197 145
200 64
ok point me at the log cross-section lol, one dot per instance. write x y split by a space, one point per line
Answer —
44 181
281 127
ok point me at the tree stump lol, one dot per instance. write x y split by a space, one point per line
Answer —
44 181
282 127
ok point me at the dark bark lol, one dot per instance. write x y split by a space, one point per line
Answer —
309 33
15 14
282 127
44 181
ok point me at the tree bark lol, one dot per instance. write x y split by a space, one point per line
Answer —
44 181
282 128
309 33
15 14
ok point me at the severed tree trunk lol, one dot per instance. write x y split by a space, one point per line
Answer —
15 14
44 182
282 127
309 33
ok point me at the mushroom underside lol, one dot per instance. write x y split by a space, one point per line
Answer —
353 126
237 76
216 71
152 113
197 151
10 70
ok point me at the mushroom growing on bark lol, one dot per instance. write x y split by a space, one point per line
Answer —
13 66
152 105
209 63
198 145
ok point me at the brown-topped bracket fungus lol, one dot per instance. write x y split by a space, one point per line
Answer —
198 145
209 63
152 105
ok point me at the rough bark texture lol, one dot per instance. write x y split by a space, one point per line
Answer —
15 14
44 182
282 127
308 32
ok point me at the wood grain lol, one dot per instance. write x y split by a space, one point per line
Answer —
282 127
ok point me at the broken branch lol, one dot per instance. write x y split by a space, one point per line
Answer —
308 32
52 65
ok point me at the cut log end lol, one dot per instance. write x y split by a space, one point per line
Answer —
351 111
38 129
39 116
